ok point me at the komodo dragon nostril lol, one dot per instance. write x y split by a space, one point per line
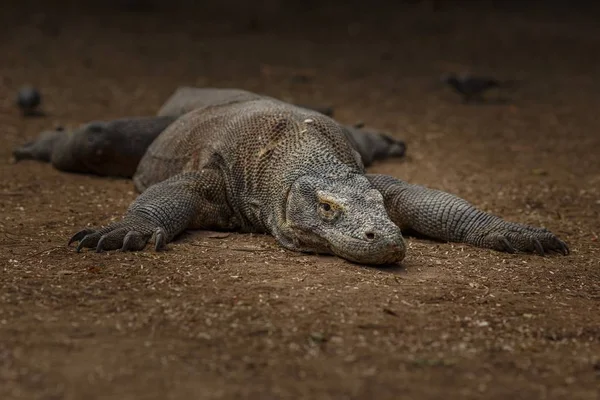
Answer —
369 235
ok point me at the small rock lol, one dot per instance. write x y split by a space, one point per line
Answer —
472 87
318 337
28 100
539 171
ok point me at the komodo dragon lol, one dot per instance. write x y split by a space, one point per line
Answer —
227 159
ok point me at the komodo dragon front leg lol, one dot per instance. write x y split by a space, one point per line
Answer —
446 217
194 200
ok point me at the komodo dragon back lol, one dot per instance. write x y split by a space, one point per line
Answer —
175 147
203 125
244 131
186 99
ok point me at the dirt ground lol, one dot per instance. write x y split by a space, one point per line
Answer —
237 316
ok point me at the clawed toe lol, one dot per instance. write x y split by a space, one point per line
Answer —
526 239
552 243
100 245
133 241
80 235
112 240
90 240
160 239
508 247
562 247
538 247
119 236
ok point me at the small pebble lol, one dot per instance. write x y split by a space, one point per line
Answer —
28 100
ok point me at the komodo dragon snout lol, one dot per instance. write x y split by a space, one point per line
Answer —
343 216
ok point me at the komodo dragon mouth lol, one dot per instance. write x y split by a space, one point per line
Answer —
386 251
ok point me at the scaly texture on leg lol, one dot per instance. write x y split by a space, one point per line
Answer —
443 216
163 211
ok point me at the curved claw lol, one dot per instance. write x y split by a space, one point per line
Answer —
100 245
134 241
564 249
80 245
507 245
90 240
160 239
127 242
511 237
80 235
538 247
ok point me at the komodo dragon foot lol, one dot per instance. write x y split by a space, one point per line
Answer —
162 212
130 234
41 148
517 237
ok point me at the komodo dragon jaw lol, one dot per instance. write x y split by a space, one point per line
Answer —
344 217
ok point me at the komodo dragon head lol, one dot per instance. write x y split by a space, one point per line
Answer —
344 216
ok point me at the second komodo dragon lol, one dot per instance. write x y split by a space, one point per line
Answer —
227 159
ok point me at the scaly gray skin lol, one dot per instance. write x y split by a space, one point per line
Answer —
234 160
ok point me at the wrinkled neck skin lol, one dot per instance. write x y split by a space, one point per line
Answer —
297 238
291 235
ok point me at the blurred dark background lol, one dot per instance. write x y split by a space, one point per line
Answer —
271 13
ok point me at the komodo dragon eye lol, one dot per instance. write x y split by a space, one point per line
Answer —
328 211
